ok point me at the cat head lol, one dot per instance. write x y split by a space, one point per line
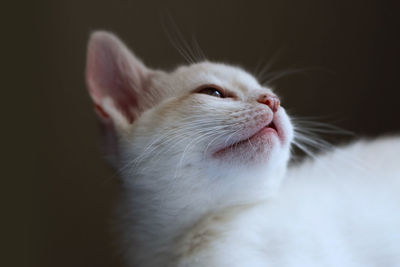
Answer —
204 121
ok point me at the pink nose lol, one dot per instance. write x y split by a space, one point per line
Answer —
271 101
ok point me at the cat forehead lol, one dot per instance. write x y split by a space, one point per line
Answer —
225 76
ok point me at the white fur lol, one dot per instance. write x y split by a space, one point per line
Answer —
183 206
342 210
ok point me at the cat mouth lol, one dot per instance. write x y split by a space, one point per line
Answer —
272 126
266 133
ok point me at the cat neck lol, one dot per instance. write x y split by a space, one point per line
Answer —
158 215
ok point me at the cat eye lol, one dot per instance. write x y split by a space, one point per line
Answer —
212 91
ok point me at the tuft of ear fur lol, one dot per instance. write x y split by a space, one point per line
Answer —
116 79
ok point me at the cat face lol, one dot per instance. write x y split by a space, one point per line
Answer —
202 117
215 113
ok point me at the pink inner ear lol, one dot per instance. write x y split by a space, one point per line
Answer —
113 72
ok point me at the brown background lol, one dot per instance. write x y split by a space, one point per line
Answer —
59 192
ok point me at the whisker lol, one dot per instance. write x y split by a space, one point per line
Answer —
177 40
200 55
260 74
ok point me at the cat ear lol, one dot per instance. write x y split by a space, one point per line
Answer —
116 79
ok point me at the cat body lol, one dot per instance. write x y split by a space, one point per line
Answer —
203 152
326 214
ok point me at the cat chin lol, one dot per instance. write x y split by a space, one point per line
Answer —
268 141
258 144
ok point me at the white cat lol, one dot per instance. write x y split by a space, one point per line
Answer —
203 155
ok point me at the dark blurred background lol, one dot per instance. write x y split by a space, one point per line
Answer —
59 192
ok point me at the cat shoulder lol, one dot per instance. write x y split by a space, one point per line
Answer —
378 153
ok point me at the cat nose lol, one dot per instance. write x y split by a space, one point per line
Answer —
271 101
